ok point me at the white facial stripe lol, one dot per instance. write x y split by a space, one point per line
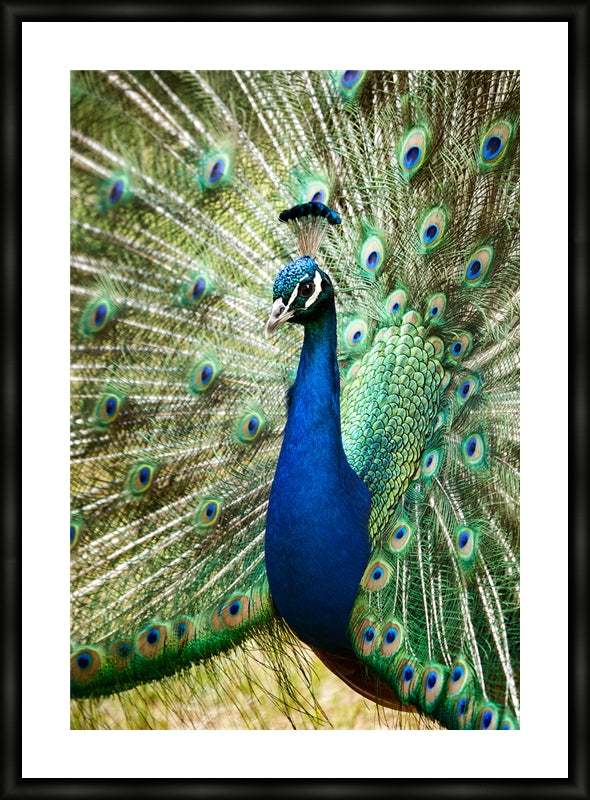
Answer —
317 281
292 298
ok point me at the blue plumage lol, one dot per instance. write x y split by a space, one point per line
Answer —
317 540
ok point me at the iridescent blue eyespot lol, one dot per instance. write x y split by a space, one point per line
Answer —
462 706
355 333
181 629
413 150
431 680
369 634
400 533
373 259
203 376
458 673
377 574
412 156
141 478
494 143
116 192
198 289
492 147
429 460
153 636
124 650
430 234
395 307
486 720
235 608
478 265
100 315
83 661
250 426
208 512
350 77
72 533
456 348
408 674
434 311
474 269
217 171
390 635
473 450
465 388
463 542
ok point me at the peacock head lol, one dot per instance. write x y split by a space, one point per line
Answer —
301 290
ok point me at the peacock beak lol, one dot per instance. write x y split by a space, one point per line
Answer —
279 313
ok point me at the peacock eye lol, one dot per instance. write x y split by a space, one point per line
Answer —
306 289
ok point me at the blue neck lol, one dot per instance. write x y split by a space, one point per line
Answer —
317 541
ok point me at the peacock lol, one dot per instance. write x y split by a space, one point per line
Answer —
295 388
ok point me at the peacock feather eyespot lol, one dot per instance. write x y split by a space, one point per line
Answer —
75 530
432 686
365 636
84 665
216 170
371 254
355 334
231 613
97 317
413 151
400 537
209 512
350 80
314 189
150 643
396 303
141 477
196 289
494 143
459 348
250 426
465 543
487 719
478 266
407 679
457 678
473 450
107 409
182 630
391 639
204 376
435 307
376 576
431 463
114 191
466 389
432 228
121 653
